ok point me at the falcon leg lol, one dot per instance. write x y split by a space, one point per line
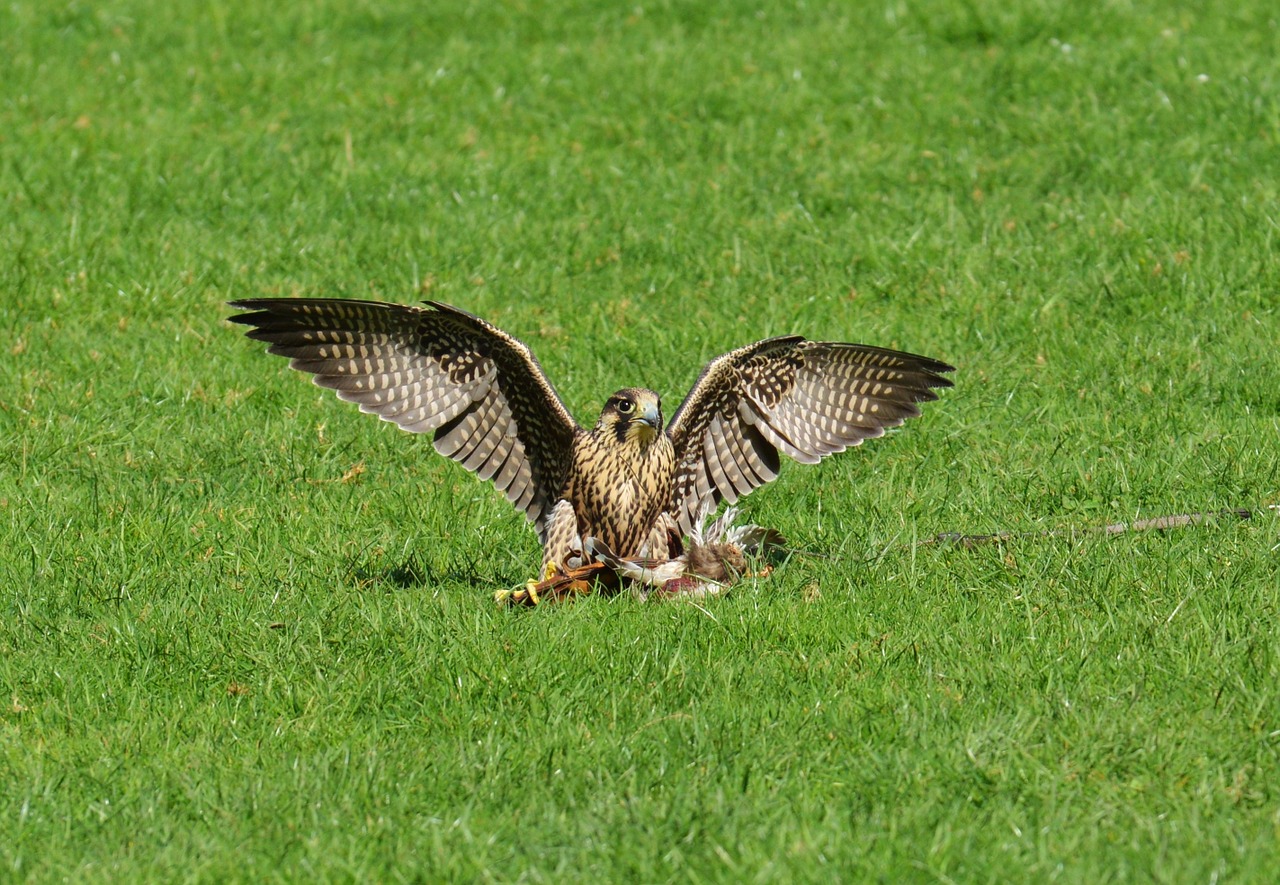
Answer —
563 549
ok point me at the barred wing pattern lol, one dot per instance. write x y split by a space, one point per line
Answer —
805 399
437 369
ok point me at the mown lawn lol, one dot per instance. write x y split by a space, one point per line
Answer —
247 634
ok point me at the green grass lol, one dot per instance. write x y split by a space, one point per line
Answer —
221 661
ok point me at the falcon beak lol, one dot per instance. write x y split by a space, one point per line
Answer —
650 416
644 427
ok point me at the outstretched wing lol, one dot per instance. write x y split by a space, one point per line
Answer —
437 369
805 399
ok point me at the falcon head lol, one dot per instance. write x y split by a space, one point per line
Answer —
632 415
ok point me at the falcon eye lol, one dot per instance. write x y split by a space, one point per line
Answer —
626 407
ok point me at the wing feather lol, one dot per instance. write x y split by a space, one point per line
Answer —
497 460
749 456
803 399
721 468
433 369
733 465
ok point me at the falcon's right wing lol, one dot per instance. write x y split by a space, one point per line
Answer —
438 369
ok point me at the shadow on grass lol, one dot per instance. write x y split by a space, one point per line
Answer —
416 572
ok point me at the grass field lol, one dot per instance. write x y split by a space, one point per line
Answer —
246 633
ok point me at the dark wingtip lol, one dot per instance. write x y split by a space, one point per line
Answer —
930 365
244 319
456 311
257 311
933 370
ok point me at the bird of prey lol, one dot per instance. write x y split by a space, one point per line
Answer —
630 484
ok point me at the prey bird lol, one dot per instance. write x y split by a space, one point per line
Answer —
629 484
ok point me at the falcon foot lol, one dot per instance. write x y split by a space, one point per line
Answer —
559 585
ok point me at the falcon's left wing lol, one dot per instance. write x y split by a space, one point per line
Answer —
806 399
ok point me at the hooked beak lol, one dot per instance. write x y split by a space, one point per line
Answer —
650 417
644 426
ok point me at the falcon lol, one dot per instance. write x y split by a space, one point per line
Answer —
629 484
